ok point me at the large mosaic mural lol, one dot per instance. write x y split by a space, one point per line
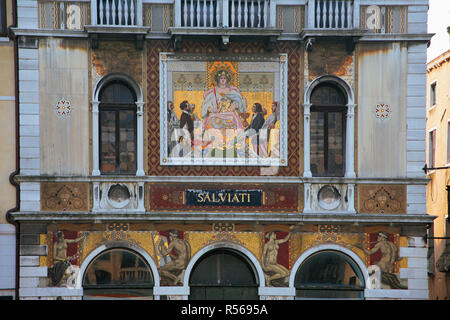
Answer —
230 111
154 105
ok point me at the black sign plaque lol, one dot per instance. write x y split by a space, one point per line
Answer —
224 197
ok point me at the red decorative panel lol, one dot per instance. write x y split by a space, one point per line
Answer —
172 197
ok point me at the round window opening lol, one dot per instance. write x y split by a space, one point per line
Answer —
329 197
118 196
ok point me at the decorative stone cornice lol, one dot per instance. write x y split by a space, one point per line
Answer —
261 217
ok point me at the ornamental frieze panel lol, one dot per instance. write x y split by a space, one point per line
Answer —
64 196
276 248
382 199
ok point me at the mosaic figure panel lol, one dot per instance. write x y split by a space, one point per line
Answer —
277 248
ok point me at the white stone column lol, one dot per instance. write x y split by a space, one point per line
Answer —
177 13
225 14
141 197
349 142
94 13
96 197
307 198
95 138
273 13
139 13
306 140
140 139
311 14
351 198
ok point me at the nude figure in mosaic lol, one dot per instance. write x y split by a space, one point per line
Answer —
389 255
61 268
273 270
179 251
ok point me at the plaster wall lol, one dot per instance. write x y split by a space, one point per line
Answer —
63 74
382 71
438 118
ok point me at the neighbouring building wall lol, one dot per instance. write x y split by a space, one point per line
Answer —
7 160
438 119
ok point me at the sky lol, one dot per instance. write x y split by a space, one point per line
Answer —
438 21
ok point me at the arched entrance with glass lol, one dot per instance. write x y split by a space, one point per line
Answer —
223 274
329 274
118 273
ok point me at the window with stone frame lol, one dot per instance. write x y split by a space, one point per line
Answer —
432 148
433 94
327 135
3 27
117 129
448 141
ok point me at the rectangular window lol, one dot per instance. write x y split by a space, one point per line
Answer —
447 231
327 142
3 29
430 251
432 148
117 138
432 94
448 142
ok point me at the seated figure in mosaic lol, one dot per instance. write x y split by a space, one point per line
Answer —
59 273
382 272
179 252
275 274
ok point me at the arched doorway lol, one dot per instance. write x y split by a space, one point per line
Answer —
329 274
118 274
223 274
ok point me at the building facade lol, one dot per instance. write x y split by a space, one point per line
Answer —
438 95
195 149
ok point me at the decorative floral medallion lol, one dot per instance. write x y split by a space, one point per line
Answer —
63 108
383 111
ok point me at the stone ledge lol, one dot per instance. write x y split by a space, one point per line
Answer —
33 272
181 291
50 292
33 250
277 291
387 294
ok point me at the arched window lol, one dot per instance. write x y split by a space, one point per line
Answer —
223 274
329 275
117 129
118 274
328 129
